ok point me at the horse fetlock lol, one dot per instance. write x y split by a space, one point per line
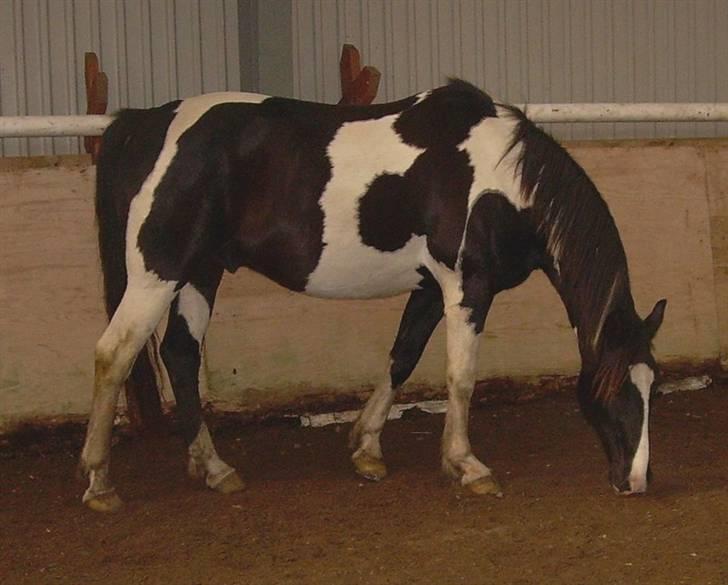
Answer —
100 495
225 482
217 474
107 501
363 439
468 470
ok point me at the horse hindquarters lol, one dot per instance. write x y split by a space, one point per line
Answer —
117 353
171 223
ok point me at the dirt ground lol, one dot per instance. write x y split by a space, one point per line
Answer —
305 517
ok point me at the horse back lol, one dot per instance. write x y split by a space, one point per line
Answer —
332 201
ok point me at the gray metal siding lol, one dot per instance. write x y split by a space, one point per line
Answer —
152 50
527 51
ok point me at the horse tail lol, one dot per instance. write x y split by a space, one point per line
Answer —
112 210
111 213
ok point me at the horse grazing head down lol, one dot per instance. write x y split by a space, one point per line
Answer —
615 396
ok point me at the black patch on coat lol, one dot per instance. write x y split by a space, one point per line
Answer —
444 176
430 199
445 116
181 354
387 215
421 315
501 250
245 187
129 148
186 221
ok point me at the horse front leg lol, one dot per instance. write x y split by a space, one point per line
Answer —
464 325
421 315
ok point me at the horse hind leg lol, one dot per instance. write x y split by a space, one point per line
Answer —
421 315
182 351
133 322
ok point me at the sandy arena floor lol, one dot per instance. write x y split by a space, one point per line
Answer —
306 518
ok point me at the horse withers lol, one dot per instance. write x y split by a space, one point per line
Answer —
446 195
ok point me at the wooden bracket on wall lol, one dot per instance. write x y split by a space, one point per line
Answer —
359 85
97 98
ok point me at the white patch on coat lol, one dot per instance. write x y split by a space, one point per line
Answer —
422 96
642 377
462 349
187 114
193 307
493 169
204 460
359 153
368 427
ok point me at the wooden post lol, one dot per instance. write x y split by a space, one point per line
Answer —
97 98
359 85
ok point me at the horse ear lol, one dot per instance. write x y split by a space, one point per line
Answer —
654 319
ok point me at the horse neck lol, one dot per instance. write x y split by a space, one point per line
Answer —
592 294
585 259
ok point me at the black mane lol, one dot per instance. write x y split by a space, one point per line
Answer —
590 265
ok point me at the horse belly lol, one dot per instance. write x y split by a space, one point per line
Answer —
353 270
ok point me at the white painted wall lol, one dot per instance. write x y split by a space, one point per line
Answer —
152 50
270 347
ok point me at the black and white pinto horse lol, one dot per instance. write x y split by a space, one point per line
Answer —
445 194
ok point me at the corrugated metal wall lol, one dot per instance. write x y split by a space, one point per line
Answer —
152 50
527 51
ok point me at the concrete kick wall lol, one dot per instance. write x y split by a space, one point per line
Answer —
270 347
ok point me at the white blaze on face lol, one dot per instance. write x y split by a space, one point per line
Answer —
642 377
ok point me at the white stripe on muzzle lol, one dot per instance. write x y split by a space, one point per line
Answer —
642 377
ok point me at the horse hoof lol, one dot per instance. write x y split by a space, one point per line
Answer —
106 502
485 486
370 467
230 484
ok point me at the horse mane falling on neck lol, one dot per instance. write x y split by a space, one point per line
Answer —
589 265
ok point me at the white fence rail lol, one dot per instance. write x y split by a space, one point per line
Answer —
32 126
27 126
